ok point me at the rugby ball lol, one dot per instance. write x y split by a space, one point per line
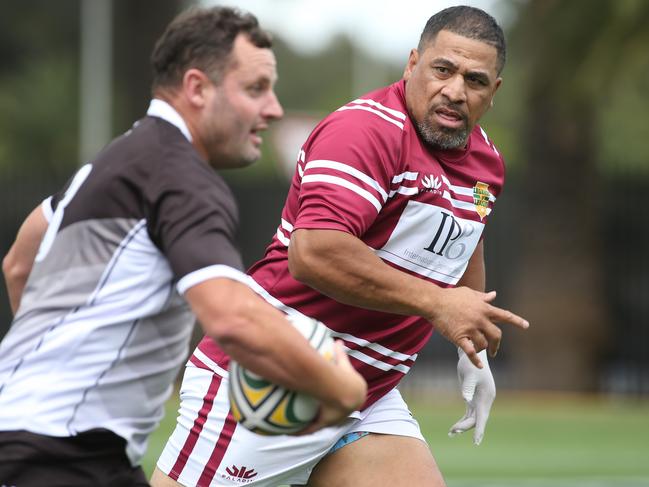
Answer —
268 409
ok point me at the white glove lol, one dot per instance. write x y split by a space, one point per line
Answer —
479 391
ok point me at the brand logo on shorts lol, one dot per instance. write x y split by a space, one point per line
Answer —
240 474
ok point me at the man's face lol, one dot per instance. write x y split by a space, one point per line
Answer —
240 107
450 85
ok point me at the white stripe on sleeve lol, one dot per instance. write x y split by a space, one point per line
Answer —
212 272
46 207
286 225
375 112
347 169
282 238
391 111
323 178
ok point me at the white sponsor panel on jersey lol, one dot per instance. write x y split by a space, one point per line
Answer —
432 242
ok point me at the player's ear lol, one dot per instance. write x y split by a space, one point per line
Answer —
195 86
497 84
413 59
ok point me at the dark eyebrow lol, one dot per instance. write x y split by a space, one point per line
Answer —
478 75
444 62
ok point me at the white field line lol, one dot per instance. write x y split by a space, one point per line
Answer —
552 481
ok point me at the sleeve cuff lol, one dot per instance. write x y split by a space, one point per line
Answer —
46 206
211 272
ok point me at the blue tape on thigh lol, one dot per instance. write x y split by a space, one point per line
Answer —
347 439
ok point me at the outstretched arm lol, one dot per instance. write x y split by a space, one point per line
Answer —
344 268
18 262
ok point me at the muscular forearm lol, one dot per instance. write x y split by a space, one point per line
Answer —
342 267
345 269
259 337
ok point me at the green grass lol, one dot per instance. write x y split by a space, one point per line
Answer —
545 437
531 440
159 437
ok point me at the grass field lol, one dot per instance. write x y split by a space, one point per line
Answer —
538 440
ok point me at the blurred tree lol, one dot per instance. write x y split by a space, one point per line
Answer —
325 81
573 55
39 94
137 25
38 80
317 83
38 108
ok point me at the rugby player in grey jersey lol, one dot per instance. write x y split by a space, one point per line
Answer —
107 276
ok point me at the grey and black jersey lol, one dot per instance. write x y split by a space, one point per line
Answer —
102 326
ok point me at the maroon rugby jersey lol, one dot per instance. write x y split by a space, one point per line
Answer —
365 171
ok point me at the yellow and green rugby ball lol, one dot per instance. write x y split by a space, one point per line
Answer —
268 409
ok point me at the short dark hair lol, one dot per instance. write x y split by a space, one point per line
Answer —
202 38
469 22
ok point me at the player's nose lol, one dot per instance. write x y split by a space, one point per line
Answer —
454 89
273 109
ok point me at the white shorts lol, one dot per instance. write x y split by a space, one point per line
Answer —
207 448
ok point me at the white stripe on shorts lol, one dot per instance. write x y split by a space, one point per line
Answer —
227 460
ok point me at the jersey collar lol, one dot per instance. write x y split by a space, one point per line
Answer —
162 109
